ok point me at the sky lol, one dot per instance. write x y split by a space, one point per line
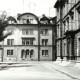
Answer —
37 7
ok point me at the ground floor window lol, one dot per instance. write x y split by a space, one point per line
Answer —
9 52
27 53
45 53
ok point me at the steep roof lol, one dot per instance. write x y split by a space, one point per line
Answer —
11 18
45 18
59 2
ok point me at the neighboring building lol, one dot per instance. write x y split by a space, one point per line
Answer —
32 39
68 29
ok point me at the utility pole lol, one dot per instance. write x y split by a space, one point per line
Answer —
34 7
49 11
23 6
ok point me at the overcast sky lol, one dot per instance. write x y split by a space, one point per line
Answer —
38 7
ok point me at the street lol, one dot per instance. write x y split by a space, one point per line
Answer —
32 71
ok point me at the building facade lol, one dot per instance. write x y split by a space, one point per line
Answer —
32 39
68 29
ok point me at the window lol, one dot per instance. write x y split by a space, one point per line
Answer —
31 41
45 32
31 53
10 41
9 52
24 21
27 31
27 53
10 30
44 52
27 21
26 41
68 23
22 53
31 20
44 41
31 31
23 42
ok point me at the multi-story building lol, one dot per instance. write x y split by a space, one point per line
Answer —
31 39
68 29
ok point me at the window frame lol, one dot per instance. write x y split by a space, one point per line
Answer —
10 53
45 32
10 41
45 53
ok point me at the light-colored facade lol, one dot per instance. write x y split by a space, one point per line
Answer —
68 29
31 40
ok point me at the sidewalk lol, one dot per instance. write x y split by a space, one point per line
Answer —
68 69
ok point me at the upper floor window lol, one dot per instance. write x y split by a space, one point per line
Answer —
45 32
44 41
10 41
10 30
26 41
27 31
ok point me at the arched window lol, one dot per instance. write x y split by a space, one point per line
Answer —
27 53
22 53
31 53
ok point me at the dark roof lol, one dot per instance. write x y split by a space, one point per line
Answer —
59 2
53 18
11 18
44 18
56 4
26 14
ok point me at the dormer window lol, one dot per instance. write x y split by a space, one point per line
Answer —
27 18
28 22
24 21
